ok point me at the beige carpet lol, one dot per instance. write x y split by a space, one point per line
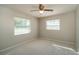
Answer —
42 47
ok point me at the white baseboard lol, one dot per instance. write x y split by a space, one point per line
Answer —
62 41
13 46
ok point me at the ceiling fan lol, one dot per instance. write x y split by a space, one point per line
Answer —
41 9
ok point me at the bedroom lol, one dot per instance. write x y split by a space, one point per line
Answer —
31 29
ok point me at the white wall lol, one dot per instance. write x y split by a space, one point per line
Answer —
7 37
77 29
67 28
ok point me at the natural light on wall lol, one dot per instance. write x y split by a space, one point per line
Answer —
22 26
53 24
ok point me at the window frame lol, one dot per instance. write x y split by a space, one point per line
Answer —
48 27
15 28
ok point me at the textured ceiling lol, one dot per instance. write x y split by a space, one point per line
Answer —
58 9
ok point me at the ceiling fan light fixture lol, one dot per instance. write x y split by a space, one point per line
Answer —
41 11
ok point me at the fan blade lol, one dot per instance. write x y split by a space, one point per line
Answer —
48 9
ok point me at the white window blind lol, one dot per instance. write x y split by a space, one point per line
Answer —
53 24
22 26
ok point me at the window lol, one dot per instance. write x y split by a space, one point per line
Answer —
53 24
22 26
